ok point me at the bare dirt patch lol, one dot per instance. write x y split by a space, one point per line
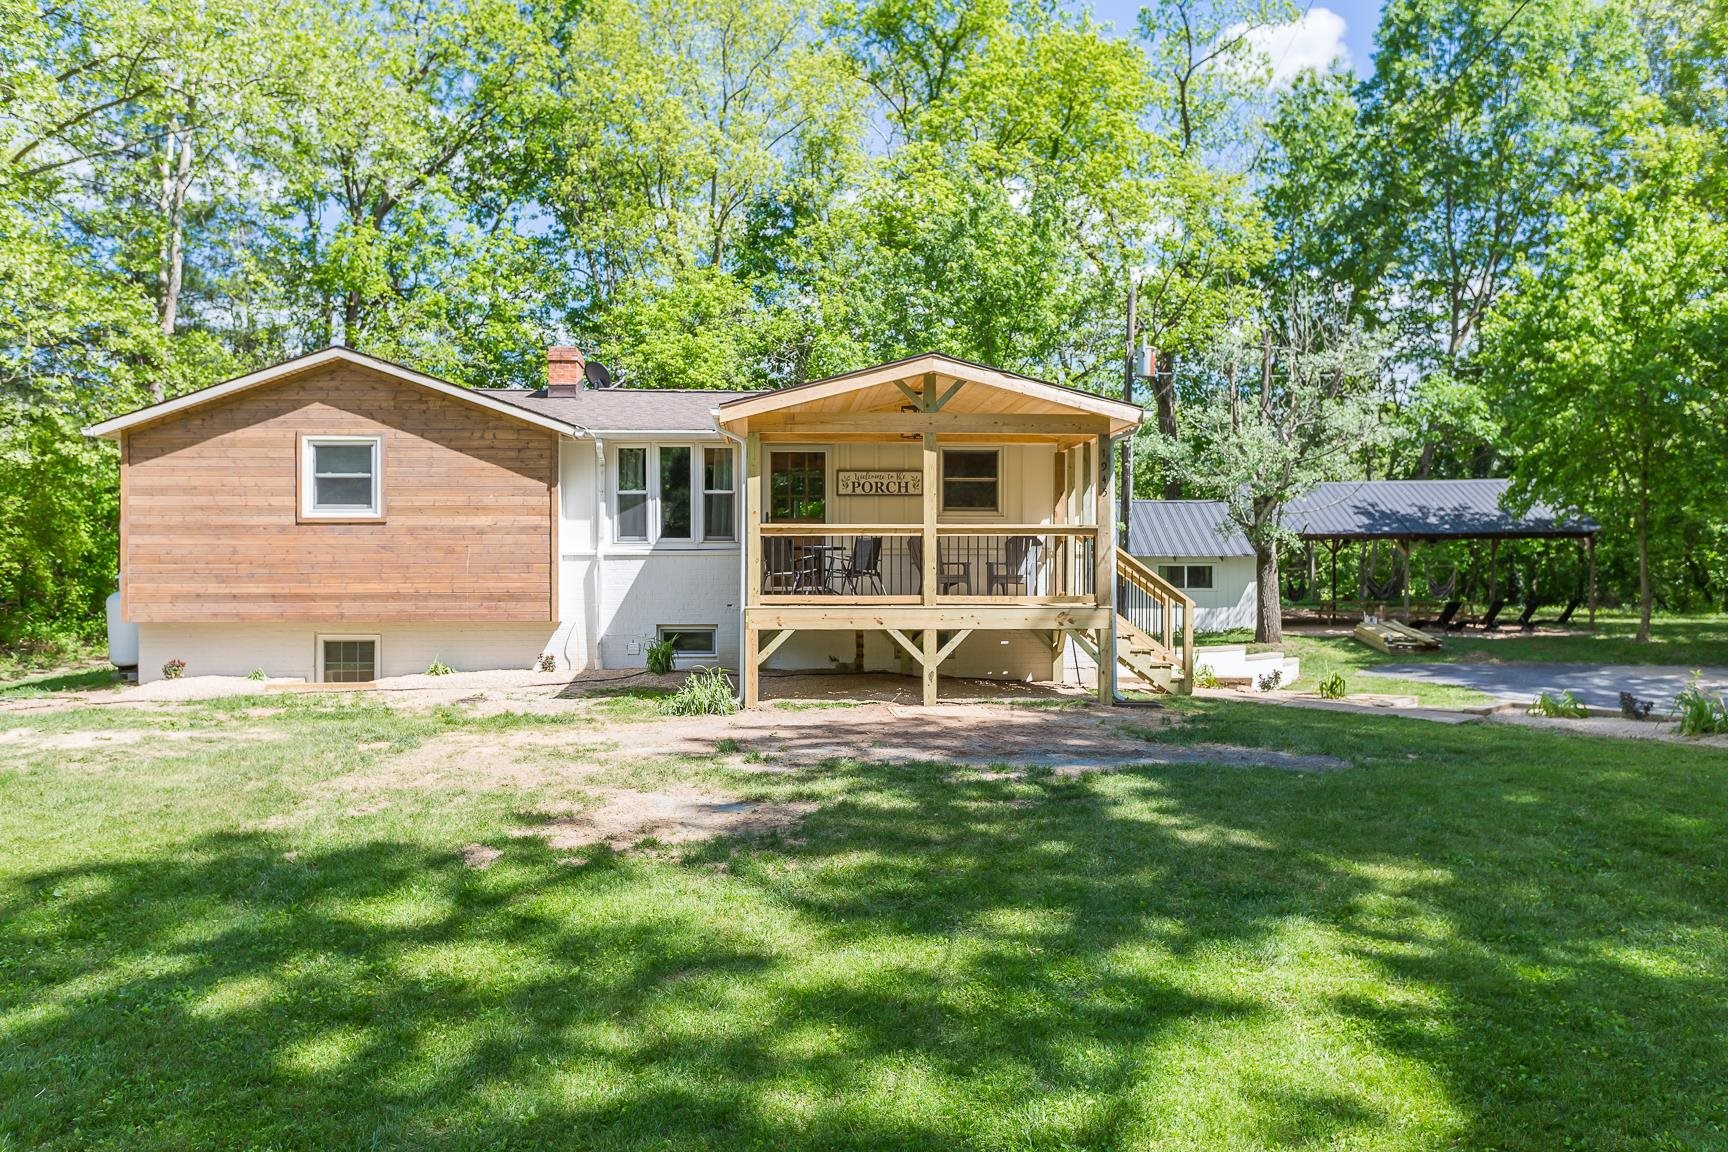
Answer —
32 740
473 761
678 815
479 856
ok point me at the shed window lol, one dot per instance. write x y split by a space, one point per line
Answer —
341 477
971 480
1187 576
632 494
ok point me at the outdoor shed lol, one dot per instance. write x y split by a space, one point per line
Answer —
1193 545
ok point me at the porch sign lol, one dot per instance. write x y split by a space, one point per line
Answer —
858 482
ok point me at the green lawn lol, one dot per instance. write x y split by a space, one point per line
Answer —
1476 937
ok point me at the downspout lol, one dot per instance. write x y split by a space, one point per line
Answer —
743 554
591 610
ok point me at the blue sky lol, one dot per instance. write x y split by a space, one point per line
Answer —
1327 24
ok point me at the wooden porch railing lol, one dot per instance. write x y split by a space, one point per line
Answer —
1159 610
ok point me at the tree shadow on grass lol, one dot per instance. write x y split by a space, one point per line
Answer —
926 962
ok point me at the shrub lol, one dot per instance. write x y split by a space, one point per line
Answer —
661 655
174 668
708 692
1333 687
1701 714
546 663
1633 708
255 674
1270 680
1564 706
438 668
1204 677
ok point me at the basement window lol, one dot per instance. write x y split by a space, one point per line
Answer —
347 659
689 641
341 478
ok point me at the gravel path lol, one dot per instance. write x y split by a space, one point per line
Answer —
1596 685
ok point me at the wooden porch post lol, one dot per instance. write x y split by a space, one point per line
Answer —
929 644
1105 593
748 671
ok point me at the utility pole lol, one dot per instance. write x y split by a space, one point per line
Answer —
1125 489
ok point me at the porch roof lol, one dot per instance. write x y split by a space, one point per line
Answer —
967 389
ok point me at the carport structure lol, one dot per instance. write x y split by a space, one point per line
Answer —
1407 512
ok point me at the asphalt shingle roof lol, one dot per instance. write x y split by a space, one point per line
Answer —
627 409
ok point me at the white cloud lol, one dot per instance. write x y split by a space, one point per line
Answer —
1314 41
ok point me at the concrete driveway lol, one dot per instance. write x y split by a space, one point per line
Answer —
1597 685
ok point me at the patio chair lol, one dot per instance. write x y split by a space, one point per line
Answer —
1019 566
1491 621
864 564
790 569
949 573
1565 616
1527 619
1444 621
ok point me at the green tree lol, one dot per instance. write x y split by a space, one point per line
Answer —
1606 359
1278 419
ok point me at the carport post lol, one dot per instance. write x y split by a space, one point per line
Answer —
1493 570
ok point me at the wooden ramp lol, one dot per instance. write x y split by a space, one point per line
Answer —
1391 637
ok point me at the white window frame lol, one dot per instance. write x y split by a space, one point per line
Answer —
309 510
1182 577
942 483
713 631
649 520
698 538
731 493
318 652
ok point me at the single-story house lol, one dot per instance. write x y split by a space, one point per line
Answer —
1193 545
340 518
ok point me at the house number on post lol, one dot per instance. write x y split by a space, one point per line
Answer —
857 482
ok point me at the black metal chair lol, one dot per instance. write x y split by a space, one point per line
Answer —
864 564
790 569
949 573
1491 621
1019 566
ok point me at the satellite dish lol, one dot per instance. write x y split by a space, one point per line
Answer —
599 376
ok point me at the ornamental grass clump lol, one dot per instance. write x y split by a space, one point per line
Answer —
1563 707
708 692
661 656
1333 687
1701 713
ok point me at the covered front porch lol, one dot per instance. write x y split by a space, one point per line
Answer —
947 510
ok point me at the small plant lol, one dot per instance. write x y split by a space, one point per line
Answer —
728 747
1333 687
1204 677
1562 707
438 668
1701 713
708 692
1633 708
256 674
1270 680
174 669
661 655
546 663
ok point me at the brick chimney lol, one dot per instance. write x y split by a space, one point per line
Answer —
564 371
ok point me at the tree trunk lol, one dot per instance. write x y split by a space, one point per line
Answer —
1164 392
1125 487
1644 593
1268 608
170 268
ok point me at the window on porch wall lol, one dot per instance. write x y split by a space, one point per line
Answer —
798 487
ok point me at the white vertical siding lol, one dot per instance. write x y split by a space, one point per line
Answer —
1229 603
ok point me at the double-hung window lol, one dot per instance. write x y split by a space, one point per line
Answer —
719 495
632 521
341 478
673 493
